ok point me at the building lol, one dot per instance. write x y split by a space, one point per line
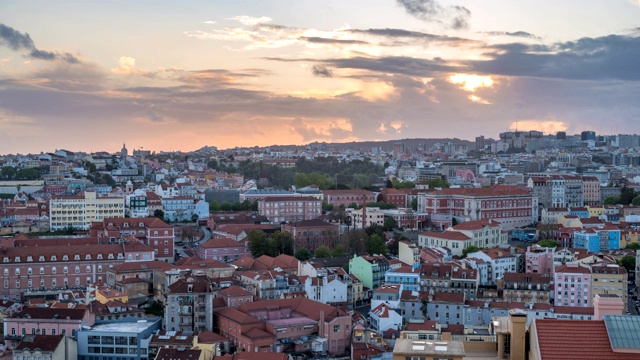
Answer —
279 209
428 350
609 279
408 253
222 249
188 305
484 233
383 318
46 321
348 197
120 339
79 212
310 234
512 206
40 267
539 260
407 276
369 269
572 286
366 216
526 287
48 347
394 196
597 239
152 231
258 326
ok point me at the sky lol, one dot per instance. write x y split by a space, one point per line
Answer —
179 75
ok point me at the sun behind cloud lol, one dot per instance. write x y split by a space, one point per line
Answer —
471 82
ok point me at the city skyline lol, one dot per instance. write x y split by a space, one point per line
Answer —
172 76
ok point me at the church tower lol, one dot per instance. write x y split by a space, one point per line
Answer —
124 152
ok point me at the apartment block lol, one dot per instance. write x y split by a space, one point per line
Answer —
79 212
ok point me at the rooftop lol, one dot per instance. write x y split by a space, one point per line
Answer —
127 327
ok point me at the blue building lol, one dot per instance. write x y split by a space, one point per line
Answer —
580 212
597 239
128 339
408 276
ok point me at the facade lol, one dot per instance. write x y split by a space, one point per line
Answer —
279 209
310 234
597 239
527 288
153 232
47 347
79 212
257 326
188 305
572 286
539 260
369 269
326 291
121 339
394 196
348 197
408 277
222 249
367 216
383 318
38 267
609 279
485 233
46 321
512 206
408 253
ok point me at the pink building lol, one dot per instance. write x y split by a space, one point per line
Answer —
39 267
539 260
573 285
279 209
222 249
46 321
346 197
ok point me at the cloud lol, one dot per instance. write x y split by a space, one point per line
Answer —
320 70
18 41
606 57
320 40
522 34
431 10
209 22
413 35
251 20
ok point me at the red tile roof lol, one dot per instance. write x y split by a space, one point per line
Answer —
575 339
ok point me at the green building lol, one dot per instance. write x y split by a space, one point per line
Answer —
369 269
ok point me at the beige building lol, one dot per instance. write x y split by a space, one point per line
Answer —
374 216
481 233
80 211
609 279
408 253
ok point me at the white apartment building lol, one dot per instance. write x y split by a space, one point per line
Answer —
80 211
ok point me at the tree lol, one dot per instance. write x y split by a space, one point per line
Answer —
28 174
214 206
469 249
8 172
389 224
260 245
628 262
339 251
612 200
376 245
194 218
355 242
323 252
283 241
633 246
158 213
303 254
414 204
437 183
191 234
548 243
636 200
626 195
388 184
226 206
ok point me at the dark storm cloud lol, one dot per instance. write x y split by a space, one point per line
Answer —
18 41
431 10
522 34
320 70
413 35
320 40
607 57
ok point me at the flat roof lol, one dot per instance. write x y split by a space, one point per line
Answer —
427 347
125 326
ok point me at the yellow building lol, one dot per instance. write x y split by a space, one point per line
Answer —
80 211
569 221
609 279
595 211
629 237
105 295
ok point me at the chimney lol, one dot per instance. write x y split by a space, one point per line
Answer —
364 211
518 331
321 324
607 304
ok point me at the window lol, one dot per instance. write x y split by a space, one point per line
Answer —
336 328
